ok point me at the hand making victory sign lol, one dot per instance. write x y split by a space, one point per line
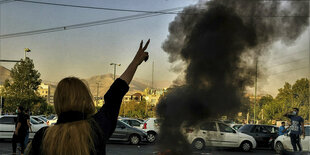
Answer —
142 54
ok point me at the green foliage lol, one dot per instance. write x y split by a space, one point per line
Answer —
136 109
22 89
290 96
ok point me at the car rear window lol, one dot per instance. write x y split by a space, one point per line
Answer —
245 128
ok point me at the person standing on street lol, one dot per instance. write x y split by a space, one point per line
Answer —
29 127
21 128
297 128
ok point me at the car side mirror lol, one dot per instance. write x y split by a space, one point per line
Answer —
123 127
234 131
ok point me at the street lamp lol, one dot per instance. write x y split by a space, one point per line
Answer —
115 68
26 50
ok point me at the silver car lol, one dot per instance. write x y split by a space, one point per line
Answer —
127 133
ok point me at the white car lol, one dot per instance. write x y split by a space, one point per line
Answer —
40 120
151 127
283 142
7 126
217 134
52 119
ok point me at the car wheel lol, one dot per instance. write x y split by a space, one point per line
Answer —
134 139
198 144
246 146
151 137
279 147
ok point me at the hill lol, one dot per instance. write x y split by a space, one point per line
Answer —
106 80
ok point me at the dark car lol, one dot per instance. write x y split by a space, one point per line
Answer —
132 122
263 134
127 133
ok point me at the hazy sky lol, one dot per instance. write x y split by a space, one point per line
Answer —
88 51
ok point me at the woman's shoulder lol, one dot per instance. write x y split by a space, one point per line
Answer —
39 134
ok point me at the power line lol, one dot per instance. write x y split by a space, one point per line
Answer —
102 22
97 8
162 12
82 25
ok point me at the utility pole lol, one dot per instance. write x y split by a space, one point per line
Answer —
114 64
309 73
255 89
97 93
153 75
1 105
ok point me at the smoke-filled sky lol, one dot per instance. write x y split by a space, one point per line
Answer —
218 48
88 51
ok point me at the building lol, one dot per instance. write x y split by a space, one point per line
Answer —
44 91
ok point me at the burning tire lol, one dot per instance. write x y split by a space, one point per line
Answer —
198 144
246 146
151 137
279 147
134 139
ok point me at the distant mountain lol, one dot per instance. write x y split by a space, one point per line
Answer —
106 80
4 74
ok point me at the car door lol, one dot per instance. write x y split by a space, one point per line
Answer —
261 135
7 127
228 136
210 134
306 141
120 132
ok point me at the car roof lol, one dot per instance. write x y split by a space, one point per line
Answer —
8 116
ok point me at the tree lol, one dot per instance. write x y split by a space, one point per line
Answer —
22 88
290 96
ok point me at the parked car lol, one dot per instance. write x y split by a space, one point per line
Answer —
263 134
7 126
41 119
151 127
283 142
218 134
38 119
125 132
132 122
52 119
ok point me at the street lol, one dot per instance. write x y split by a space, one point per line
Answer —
148 149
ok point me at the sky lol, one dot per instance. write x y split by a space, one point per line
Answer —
88 51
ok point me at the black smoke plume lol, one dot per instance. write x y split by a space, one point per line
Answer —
218 41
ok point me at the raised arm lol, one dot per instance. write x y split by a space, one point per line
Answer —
137 60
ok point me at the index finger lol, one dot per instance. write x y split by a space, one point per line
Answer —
147 44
